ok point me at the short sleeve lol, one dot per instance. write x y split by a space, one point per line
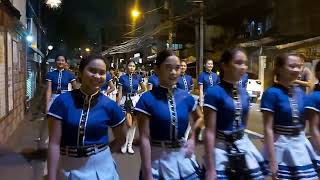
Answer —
121 81
140 79
108 77
71 77
150 80
311 102
191 82
200 79
117 116
211 99
192 103
268 101
143 105
49 76
57 109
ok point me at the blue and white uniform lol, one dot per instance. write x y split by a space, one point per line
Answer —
185 82
60 80
105 86
153 80
231 119
208 79
293 152
169 112
244 81
130 84
85 122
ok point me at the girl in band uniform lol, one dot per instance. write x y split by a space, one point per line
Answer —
287 150
185 80
79 120
153 81
226 108
107 88
128 97
58 81
163 117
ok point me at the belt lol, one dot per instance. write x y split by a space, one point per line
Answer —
230 137
131 94
288 130
84 151
168 144
59 91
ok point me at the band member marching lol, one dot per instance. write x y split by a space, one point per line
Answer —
163 117
229 152
127 98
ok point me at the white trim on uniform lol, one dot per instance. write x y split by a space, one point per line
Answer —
48 80
312 108
266 109
200 83
119 122
54 115
72 80
142 111
210 106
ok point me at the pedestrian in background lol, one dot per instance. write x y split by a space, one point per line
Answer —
164 114
129 95
287 150
229 152
79 120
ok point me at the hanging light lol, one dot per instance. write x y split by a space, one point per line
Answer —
53 3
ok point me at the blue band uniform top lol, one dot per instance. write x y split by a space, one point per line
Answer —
155 104
153 80
276 99
208 80
244 81
313 101
219 98
97 111
124 81
185 82
104 87
60 79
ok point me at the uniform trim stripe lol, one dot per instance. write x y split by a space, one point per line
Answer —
210 106
312 108
119 123
266 109
54 115
142 111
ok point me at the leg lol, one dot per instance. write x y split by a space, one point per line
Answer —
130 135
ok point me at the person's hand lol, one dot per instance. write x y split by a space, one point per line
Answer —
211 175
274 170
189 148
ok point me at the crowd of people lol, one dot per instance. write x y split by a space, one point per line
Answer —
169 118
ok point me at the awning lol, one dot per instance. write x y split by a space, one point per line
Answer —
36 50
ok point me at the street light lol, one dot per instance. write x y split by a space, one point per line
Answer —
29 38
50 47
135 13
87 49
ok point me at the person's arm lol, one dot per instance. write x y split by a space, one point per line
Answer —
308 82
149 86
119 94
74 84
143 88
48 95
269 141
53 147
119 134
191 142
111 87
201 95
313 117
145 148
210 118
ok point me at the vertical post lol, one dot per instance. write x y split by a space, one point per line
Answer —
201 34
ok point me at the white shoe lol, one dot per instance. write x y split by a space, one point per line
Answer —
130 150
124 149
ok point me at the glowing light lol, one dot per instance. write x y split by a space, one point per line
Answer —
50 47
29 38
135 13
54 3
87 50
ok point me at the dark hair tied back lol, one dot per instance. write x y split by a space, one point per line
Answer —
227 57
162 56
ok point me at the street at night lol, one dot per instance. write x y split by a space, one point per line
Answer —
159 89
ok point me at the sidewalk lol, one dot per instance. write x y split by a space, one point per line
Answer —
19 158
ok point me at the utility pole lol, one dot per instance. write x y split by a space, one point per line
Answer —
201 39
199 35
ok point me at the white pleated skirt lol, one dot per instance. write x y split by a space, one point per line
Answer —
100 166
254 159
295 156
173 164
